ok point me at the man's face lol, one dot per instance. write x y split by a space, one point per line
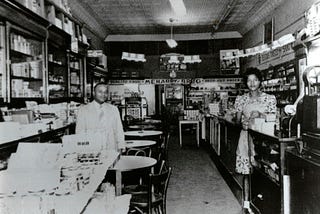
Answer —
101 93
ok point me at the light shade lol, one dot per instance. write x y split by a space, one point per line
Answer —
133 57
125 55
196 59
171 43
178 7
173 59
173 74
187 59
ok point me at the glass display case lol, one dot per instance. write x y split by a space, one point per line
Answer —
94 74
57 72
76 76
281 81
26 56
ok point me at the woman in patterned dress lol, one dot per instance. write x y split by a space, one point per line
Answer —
254 104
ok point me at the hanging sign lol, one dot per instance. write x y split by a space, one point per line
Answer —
177 81
94 53
275 54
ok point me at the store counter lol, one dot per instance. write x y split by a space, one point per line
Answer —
12 132
267 177
71 193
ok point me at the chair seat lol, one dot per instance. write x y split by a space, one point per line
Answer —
141 200
135 189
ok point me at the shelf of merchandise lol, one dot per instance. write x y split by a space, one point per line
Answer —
94 74
77 74
281 81
25 54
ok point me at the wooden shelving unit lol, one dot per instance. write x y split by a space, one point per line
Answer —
53 28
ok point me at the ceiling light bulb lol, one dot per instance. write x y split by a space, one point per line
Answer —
171 43
178 7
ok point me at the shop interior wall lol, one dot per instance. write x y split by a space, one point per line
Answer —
207 49
288 18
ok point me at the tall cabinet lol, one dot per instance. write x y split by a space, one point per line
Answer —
58 44
43 58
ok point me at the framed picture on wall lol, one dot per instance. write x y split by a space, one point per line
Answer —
229 64
268 32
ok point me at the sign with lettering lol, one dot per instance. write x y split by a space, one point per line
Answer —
275 54
94 53
177 81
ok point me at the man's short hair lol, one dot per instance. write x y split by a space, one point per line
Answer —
98 84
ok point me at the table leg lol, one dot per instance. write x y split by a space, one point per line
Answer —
198 133
180 135
118 183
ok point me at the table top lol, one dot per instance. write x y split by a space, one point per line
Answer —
139 143
189 121
128 163
147 126
149 121
143 133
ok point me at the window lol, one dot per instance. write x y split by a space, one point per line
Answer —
268 32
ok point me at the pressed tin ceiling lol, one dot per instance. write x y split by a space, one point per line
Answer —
130 17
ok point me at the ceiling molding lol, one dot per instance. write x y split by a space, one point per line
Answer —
263 12
82 13
178 37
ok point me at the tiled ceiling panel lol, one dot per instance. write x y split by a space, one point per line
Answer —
152 16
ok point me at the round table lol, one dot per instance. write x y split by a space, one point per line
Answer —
130 163
139 143
143 133
142 127
148 121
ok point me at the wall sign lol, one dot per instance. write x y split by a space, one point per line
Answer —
94 53
275 54
177 81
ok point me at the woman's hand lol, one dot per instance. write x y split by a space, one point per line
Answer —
255 114
245 125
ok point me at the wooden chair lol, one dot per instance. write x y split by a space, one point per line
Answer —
155 198
164 147
146 152
159 168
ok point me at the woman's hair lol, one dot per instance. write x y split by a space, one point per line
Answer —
252 71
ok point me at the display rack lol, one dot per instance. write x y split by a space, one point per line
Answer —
281 81
25 54
76 76
58 44
34 54
94 75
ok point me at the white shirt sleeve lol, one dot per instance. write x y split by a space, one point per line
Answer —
118 130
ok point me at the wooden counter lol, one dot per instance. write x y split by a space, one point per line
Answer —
265 181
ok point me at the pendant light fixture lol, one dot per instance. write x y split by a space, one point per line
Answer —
171 42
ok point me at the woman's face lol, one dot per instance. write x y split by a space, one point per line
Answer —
253 82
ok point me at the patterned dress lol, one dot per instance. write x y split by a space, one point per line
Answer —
265 103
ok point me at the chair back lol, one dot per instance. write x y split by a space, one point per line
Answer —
158 185
160 167
164 146
146 152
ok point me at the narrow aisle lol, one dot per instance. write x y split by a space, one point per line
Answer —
196 185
